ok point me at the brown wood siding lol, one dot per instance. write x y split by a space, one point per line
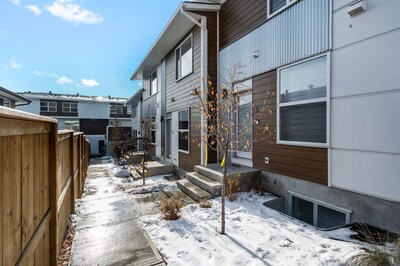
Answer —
305 163
238 17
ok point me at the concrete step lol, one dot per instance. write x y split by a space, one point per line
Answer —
159 168
205 183
210 173
247 176
192 190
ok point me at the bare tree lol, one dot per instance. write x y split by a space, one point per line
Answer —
148 127
232 120
121 142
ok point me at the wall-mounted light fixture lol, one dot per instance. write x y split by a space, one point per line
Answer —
194 91
172 99
357 7
256 54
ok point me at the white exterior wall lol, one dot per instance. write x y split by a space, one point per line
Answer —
98 110
33 107
365 105
94 142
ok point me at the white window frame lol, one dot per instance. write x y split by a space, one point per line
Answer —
315 203
296 103
176 63
116 107
153 90
185 130
67 107
153 131
288 4
48 106
6 102
72 123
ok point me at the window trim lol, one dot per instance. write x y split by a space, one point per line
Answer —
48 106
6 103
177 79
325 99
72 122
287 5
315 203
69 107
151 82
184 130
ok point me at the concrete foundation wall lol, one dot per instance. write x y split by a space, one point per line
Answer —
381 213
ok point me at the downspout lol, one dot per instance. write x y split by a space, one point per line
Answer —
203 74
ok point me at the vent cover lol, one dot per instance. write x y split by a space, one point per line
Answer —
277 204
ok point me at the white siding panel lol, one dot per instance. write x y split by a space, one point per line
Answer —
94 110
369 123
367 173
301 31
357 70
33 107
94 143
381 16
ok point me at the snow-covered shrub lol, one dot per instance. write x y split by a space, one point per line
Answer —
170 209
205 203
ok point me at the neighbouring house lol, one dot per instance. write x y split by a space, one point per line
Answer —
135 104
184 53
11 100
93 115
331 71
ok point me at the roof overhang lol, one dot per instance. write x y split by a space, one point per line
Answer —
177 27
13 96
137 97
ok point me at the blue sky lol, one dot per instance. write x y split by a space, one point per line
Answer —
90 47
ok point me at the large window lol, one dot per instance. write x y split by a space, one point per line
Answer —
183 131
116 109
71 125
317 213
275 6
184 58
46 106
243 129
153 83
70 107
302 103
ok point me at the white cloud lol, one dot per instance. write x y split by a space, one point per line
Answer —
140 83
72 12
15 2
38 73
64 80
14 64
34 9
89 82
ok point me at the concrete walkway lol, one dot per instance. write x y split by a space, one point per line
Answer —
107 231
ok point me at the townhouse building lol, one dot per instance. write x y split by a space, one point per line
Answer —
10 99
93 115
329 71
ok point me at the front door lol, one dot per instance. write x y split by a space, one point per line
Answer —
174 138
244 129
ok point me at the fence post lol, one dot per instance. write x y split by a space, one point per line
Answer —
53 159
72 170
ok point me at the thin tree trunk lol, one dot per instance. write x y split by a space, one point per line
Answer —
223 196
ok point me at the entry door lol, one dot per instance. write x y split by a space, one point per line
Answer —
244 121
174 138
168 135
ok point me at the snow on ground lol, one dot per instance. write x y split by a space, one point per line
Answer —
255 235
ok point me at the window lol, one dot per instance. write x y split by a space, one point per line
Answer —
183 131
303 103
116 109
243 130
317 213
153 131
129 110
134 111
70 107
71 125
184 58
153 83
275 6
5 102
48 106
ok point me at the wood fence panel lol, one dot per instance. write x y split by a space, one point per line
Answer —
1 201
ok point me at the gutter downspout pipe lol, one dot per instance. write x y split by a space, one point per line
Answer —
203 75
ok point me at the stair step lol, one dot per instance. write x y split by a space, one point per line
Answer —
205 183
207 172
192 190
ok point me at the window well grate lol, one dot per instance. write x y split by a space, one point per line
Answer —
277 204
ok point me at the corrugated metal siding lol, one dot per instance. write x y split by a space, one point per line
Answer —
300 31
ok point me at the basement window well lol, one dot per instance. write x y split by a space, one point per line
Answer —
316 213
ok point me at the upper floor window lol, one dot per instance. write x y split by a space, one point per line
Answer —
116 109
303 103
5 102
70 107
184 58
153 83
46 106
275 6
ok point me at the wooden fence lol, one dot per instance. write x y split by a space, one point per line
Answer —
42 173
